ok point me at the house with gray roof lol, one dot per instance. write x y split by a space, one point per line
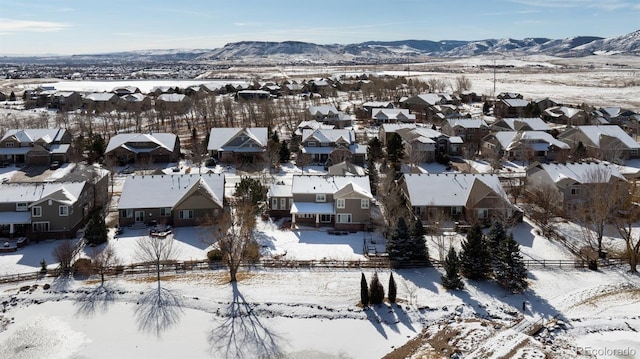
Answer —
608 142
35 146
171 199
101 102
329 114
510 107
40 210
238 144
391 115
526 146
520 124
341 202
329 146
457 197
143 148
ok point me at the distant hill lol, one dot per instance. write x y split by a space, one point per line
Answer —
296 52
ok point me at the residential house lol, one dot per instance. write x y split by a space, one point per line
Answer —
45 210
457 197
471 131
328 146
346 168
468 96
136 102
66 100
510 107
391 115
566 116
509 96
343 202
229 144
573 181
526 146
323 87
387 129
419 104
171 199
616 115
520 124
329 114
423 144
174 103
35 146
101 102
609 142
126 90
248 95
143 148
290 89
369 106
545 103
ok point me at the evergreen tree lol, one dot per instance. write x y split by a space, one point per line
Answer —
376 290
364 291
12 96
494 238
398 243
509 269
285 154
475 259
251 189
374 177
374 149
96 232
392 289
418 246
95 146
451 279
395 150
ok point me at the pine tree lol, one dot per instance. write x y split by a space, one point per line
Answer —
96 232
392 289
376 290
418 246
395 150
494 238
509 269
374 177
285 154
364 291
398 244
374 149
451 279
475 259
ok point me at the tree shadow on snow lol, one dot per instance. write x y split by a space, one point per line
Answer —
241 334
96 300
158 309
376 320
390 315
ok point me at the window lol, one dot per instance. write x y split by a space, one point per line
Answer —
483 213
126 213
40 226
575 191
321 197
63 211
165 212
456 210
283 203
36 211
364 203
22 206
290 202
311 144
274 203
325 218
186 214
9 144
340 203
344 218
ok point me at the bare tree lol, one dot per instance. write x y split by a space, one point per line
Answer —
64 254
544 202
303 160
462 84
234 236
157 251
599 203
104 261
627 225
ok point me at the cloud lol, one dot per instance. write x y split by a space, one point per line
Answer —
608 5
13 25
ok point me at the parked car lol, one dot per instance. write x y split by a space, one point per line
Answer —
55 165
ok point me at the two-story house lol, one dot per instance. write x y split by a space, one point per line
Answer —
520 124
343 202
35 146
471 131
526 146
329 146
609 142
391 115
329 114
176 200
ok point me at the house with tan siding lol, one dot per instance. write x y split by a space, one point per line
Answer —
142 147
35 146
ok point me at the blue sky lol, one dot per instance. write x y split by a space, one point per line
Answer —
89 26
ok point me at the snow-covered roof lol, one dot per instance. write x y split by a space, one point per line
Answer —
165 140
447 190
312 207
35 134
329 135
515 102
165 191
467 123
392 114
35 192
327 184
100 96
393 127
535 123
323 110
582 172
220 137
510 139
595 133
172 97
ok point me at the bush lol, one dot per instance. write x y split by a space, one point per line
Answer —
83 266
214 255
46 286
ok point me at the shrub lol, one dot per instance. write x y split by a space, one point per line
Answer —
376 290
83 266
46 286
214 255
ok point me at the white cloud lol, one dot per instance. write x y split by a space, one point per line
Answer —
12 25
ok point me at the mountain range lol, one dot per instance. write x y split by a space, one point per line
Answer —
295 52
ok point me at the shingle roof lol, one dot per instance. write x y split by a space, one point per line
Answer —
165 140
446 190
